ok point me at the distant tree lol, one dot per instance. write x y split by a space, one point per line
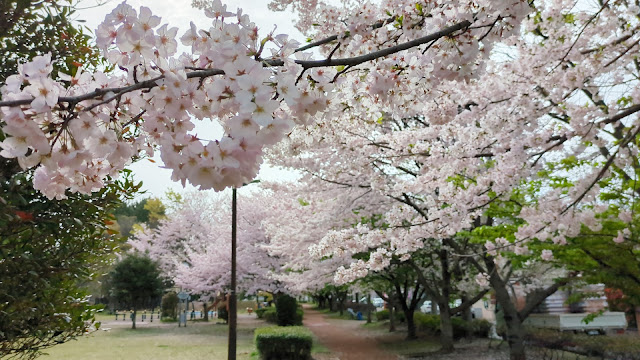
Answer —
135 282
147 211
135 210
156 210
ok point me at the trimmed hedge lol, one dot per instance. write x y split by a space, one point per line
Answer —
270 315
284 343
286 311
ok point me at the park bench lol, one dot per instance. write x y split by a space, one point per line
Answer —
354 315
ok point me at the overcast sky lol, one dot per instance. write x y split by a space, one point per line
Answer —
179 13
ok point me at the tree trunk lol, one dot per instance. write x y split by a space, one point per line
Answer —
515 329
446 327
206 311
392 316
411 326
331 303
638 318
369 309
466 315
133 319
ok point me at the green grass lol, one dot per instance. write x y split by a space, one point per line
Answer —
198 340
202 341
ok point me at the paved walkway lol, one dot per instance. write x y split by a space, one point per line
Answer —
344 338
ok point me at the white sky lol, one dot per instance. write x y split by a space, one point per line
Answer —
179 13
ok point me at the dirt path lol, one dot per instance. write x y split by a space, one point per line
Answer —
343 338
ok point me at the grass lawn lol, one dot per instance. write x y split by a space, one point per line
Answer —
167 342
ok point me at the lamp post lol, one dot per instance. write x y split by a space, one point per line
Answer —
233 311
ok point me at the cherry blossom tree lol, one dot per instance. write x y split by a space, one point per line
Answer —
447 150
193 249
250 84
444 106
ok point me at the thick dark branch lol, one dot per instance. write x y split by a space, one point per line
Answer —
623 53
306 64
147 84
537 297
469 303
622 114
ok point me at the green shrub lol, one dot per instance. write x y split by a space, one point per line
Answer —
460 327
169 305
269 315
606 347
431 325
284 343
384 315
286 309
260 312
480 328
427 322
299 316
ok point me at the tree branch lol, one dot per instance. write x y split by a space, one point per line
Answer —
306 64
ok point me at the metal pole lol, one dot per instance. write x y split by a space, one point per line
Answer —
233 311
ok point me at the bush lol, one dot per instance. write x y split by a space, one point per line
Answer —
460 327
269 315
427 322
607 347
384 315
169 305
431 325
299 315
480 328
286 311
260 312
284 343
